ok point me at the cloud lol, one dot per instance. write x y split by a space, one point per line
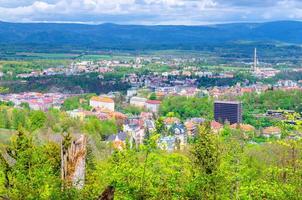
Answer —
149 11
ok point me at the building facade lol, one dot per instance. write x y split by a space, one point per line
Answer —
102 102
228 111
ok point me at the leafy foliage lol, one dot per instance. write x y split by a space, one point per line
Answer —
185 108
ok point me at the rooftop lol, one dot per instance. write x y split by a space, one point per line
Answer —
102 99
228 102
153 102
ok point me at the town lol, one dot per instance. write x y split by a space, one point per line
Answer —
138 109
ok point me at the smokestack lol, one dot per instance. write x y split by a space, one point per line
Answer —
255 60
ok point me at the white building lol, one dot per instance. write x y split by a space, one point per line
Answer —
152 105
131 92
102 102
138 101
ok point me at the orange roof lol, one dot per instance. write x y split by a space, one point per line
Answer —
244 127
271 130
247 90
118 115
102 99
216 125
189 125
171 120
118 144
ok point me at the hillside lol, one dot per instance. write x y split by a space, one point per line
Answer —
135 37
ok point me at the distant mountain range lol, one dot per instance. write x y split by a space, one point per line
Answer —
136 37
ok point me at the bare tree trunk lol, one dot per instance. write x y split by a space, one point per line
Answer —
73 161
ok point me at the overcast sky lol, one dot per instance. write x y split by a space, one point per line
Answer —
185 12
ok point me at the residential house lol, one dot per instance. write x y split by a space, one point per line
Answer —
271 132
138 101
179 132
167 143
118 140
169 121
152 105
216 126
80 114
102 102
192 125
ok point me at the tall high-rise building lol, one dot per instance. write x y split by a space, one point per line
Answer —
228 111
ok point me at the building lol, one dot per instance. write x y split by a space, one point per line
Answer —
102 102
272 132
118 140
152 105
228 111
138 101
131 92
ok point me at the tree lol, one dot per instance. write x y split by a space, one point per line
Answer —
71 103
94 126
34 173
4 119
153 96
4 90
37 120
190 107
206 158
18 119
160 126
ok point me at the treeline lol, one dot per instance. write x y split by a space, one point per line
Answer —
213 167
53 122
85 83
285 75
13 68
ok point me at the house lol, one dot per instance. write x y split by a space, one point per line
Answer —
179 132
146 115
80 114
271 132
102 102
216 126
167 143
138 101
118 140
169 121
136 132
149 125
131 92
192 125
152 105
244 127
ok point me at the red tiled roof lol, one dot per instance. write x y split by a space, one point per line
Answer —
153 102
216 125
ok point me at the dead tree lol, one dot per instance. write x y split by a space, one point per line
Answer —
73 156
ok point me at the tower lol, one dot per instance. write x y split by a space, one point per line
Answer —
255 60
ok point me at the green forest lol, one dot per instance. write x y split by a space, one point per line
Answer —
213 167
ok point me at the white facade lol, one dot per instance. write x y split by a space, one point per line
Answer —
152 107
102 102
138 101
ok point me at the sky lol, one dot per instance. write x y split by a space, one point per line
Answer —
150 12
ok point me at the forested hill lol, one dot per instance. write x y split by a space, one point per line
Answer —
135 37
